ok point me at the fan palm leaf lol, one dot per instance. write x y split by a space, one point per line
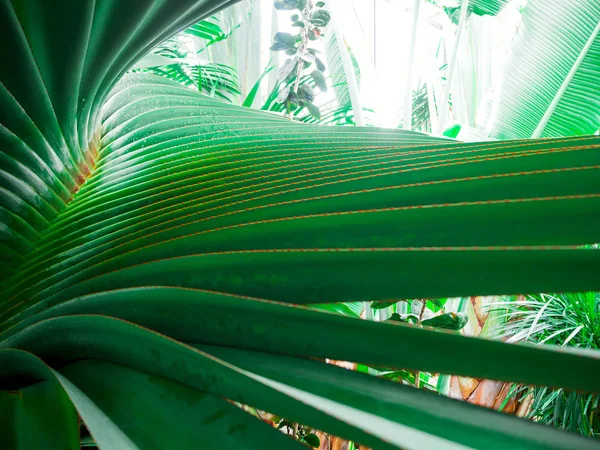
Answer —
159 243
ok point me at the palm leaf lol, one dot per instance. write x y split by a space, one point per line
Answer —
170 60
550 85
149 226
478 7
487 7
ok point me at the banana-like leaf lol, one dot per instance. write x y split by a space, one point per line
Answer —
139 216
550 86
335 68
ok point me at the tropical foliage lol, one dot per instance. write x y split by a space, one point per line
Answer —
173 60
310 20
161 250
562 319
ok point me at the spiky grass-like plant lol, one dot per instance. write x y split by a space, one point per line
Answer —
559 319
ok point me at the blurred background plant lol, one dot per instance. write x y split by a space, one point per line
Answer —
310 19
186 57
443 67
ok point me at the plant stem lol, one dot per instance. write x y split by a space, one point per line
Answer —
421 313
303 44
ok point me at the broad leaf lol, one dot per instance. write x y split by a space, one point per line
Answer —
35 410
550 85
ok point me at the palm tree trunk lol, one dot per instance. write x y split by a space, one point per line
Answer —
489 393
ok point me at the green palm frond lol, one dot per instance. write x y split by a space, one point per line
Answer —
421 120
218 27
216 80
161 249
343 115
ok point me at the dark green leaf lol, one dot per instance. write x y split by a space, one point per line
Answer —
35 411
306 93
285 423
284 93
313 110
184 415
407 318
286 69
284 39
312 440
384 304
320 65
448 321
286 5
292 101
278 46
320 18
319 79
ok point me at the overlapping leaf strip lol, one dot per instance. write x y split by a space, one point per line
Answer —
114 360
553 37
